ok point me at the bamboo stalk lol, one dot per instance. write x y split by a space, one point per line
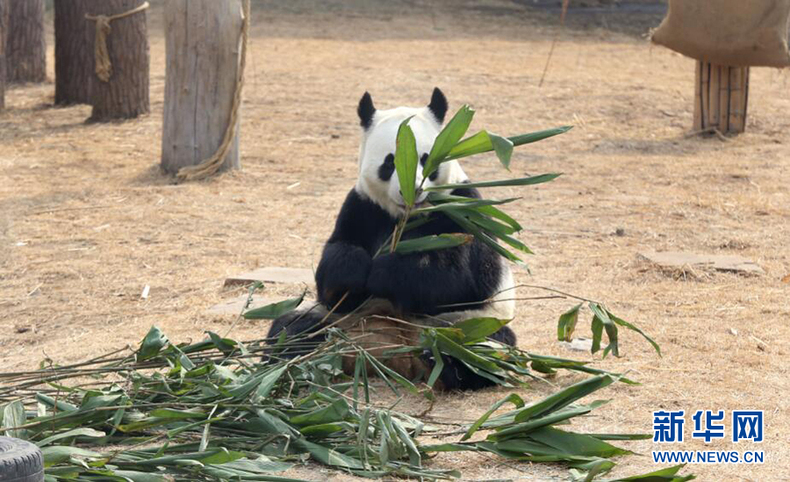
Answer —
724 98
721 95
713 92
705 95
698 123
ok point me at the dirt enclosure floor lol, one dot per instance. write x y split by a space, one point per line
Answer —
87 219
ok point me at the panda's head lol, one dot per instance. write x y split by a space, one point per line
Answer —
378 180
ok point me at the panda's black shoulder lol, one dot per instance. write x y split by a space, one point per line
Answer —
360 221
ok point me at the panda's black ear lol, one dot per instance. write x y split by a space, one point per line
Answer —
438 105
365 111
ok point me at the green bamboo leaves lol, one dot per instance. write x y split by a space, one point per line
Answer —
448 139
431 243
603 321
406 161
478 217
274 310
232 416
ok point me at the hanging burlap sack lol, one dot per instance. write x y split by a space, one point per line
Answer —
728 32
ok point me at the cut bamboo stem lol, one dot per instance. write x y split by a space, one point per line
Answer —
720 98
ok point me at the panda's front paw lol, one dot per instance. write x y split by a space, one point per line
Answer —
380 277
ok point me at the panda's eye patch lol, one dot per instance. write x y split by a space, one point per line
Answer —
387 168
435 173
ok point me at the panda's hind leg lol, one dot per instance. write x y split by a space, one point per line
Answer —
505 335
298 324
457 376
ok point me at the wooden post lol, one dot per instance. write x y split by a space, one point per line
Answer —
73 53
123 93
3 32
721 94
25 44
202 45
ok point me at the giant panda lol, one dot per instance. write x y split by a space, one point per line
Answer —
434 288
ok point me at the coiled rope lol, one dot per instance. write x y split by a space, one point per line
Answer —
101 53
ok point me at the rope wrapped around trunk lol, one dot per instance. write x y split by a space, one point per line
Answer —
212 165
102 54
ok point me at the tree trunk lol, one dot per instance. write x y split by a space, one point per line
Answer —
25 45
73 53
3 32
203 54
125 94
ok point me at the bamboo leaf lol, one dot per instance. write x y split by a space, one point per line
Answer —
462 353
406 161
433 242
13 416
482 142
268 381
503 148
564 397
274 310
329 456
337 411
476 329
624 323
480 235
512 398
538 136
575 443
597 333
567 323
153 342
475 203
609 326
668 474
77 432
523 181
58 454
550 418
447 138
135 476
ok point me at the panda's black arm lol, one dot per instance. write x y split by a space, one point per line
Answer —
425 282
343 268
347 257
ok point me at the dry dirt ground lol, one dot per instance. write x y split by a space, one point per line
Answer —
87 220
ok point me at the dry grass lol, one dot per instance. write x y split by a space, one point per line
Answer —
87 220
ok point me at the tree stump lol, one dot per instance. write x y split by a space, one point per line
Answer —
125 94
25 43
73 53
203 55
721 97
3 32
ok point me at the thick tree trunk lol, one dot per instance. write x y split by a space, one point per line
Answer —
125 95
25 45
3 32
203 53
73 53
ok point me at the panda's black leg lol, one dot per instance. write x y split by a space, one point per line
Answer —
296 325
457 376
505 335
